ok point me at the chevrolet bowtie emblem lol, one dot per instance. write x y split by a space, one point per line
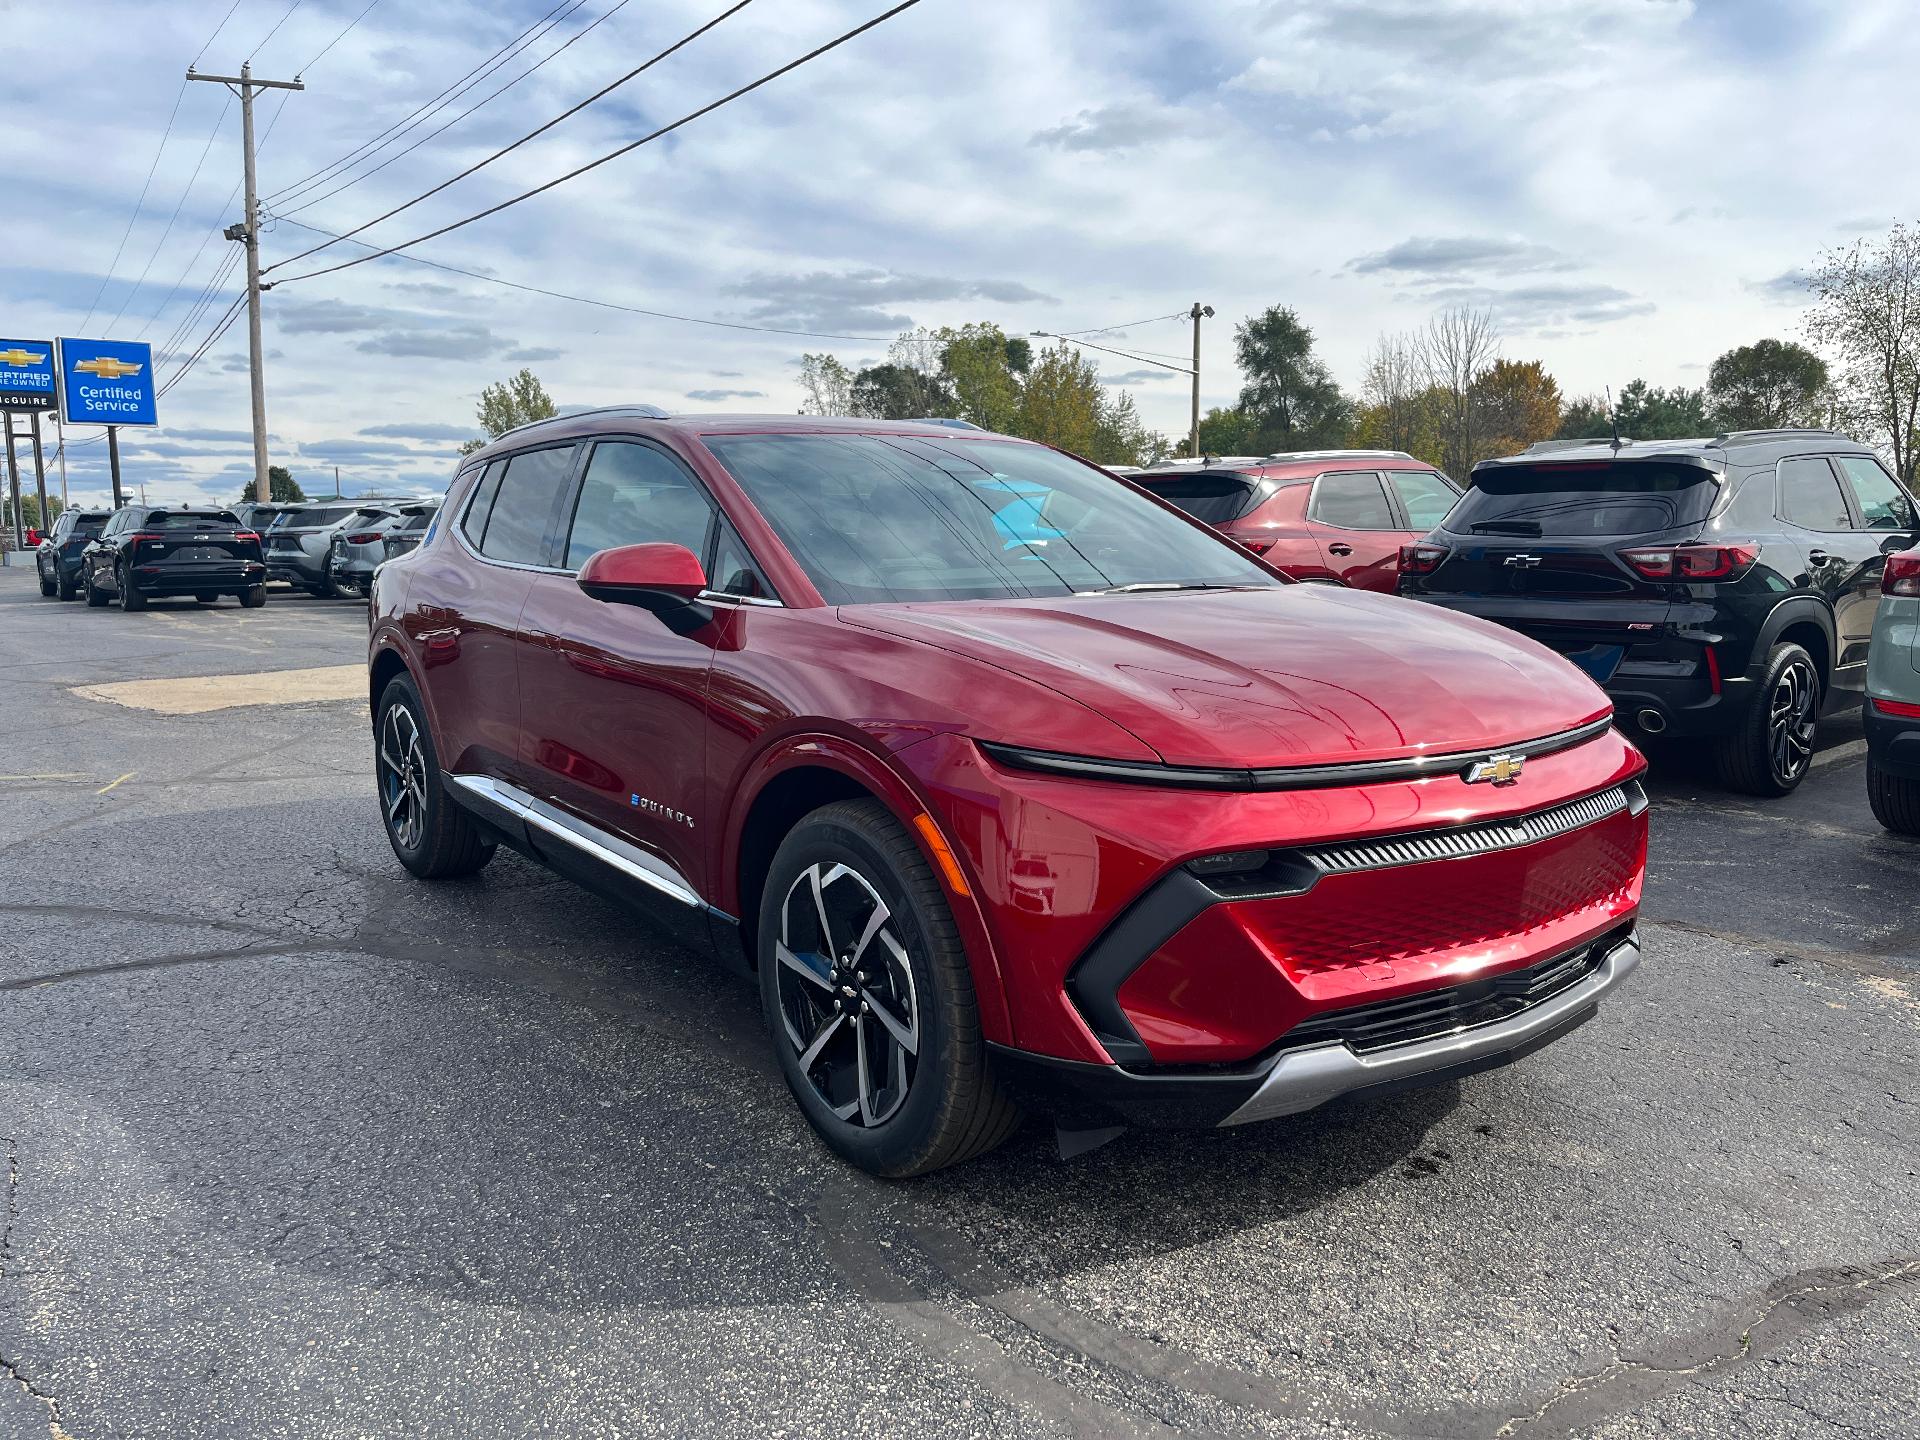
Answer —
1496 770
21 357
108 368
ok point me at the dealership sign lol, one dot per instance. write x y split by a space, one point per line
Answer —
107 382
27 375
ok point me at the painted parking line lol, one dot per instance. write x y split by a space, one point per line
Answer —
199 694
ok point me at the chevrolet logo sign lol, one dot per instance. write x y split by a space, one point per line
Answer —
22 357
1496 770
108 368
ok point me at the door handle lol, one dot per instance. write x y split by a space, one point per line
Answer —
1340 548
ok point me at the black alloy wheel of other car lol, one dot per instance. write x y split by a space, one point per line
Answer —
865 986
63 584
130 598
430 834
1772 750
49 587
96 597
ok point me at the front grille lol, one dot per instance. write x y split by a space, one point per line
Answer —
1471 839
1387 1023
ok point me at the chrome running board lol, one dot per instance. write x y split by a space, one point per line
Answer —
616 854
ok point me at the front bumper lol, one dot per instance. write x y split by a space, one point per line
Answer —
1893 743
1305 1077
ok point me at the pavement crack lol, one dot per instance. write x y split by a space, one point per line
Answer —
9 1213
166 962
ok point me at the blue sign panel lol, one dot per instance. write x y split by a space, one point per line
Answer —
26 375
107 382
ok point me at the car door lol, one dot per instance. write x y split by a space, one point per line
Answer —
1843 561
613 707
1423 498
1353 521
1886 515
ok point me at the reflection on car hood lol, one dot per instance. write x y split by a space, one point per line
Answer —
1308 674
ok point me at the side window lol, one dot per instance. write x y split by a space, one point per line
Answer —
1810 495
1352 500
636 495
523 511
1883 505
481 506
733 571
1426 496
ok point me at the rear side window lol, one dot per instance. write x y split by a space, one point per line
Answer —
636 495
1883 505
522 512
481 506
1585 497
1810 495
1425 497
1351 500
1213 498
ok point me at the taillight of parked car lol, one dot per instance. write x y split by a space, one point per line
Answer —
1421 559
1258 547
1902 575
1692 562
366 537
245 535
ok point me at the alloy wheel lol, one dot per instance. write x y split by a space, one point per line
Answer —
847 998
1792 716
403 776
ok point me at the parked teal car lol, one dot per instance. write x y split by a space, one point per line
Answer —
1893 699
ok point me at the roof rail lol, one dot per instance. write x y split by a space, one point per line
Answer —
1760 437
1205 462
649 412
1547 447
1279 455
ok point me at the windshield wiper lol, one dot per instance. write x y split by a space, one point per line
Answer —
1507 527
1139 586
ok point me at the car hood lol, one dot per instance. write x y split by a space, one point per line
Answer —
1308 674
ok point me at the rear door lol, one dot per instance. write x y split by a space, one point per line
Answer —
1884 522
1353 520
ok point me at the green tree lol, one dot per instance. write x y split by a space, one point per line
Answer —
829 386
1517 402
1063 401
1229 432
1649 412
979 361
1767 384
518 400
281 486
30 511
1585 419
1119 435
892 391
1288 390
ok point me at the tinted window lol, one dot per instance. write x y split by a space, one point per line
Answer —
1883 506
1352 501
482 506
1810 495
889 517
517 529
177 520
1585 497
635 495
1214 498
733 571
1426 496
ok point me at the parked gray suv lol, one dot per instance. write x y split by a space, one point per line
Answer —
299 543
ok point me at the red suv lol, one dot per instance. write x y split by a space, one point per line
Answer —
1014 786
1328 516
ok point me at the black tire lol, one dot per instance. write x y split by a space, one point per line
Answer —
49 587
432 836
326 589
207 599
131 599
95 598
941 1104
1771 751
1895 800
253 599
63 583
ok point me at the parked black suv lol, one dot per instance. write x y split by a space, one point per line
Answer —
143 553
58 558
1723 587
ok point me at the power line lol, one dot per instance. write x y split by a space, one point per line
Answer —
351 155
599 94
1126 325
275 31
337 39
140 203
215 36
349 184
628 148
192 179
1124 355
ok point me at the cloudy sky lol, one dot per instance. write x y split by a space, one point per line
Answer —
1630 185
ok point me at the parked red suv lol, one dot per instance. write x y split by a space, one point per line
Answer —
1329 516
1014 786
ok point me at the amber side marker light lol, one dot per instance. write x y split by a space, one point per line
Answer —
942 853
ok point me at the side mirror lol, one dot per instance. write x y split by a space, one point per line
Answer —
666 579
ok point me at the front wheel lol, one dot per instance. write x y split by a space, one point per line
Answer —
1771 750
96 598
130 598
49 587
432 836
1895 800
867 991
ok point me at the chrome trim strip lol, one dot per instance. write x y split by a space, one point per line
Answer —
720 597
615 853
1305 1079
1422 846
1298 777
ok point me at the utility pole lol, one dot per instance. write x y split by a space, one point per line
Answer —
40 476
248 232
13 478
1198 313
60 449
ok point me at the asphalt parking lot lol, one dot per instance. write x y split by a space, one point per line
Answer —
297 1146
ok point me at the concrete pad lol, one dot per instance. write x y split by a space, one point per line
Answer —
199 694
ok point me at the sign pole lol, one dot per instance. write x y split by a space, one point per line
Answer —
113 463
40 476
13 481
60 449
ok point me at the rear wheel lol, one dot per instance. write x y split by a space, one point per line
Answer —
867 991
63 582
1895 800
253 599
1772 749
130 598
49 587
432 836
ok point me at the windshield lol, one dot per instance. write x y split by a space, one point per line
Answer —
289 519
891 517
1584 498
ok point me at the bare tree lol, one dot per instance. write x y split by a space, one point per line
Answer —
1867 314
1393 392
829 386
1456 346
